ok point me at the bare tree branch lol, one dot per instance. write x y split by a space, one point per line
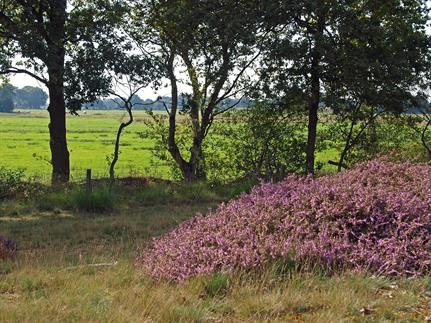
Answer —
15 70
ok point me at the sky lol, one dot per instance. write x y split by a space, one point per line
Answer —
21 80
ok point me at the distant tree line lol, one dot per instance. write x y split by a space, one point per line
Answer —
28 97
158 104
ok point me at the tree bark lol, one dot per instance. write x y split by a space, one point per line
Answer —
424 139
54 35
57 132
314 101
313 118
172 144
192 170
197 159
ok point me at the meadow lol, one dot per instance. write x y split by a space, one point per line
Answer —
24 144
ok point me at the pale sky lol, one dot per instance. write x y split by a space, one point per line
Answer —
21 80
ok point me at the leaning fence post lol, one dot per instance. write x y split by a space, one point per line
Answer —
88 183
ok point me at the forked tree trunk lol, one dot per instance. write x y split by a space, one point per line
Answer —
192 169
123 125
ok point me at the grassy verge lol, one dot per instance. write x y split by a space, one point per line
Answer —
53 278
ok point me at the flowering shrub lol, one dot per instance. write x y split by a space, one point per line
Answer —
376 218
8 248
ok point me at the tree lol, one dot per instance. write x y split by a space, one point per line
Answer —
30 97
126 100
214 47
351 127
36 30
43 36
346 53
7 93
116 72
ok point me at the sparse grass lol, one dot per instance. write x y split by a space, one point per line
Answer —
53 280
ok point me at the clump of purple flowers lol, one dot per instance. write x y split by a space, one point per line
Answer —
8 248
374 218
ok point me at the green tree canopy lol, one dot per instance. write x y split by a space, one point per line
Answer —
216 49
43 38
342 52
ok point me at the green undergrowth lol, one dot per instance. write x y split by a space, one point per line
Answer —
100 199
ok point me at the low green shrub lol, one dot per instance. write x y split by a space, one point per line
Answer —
199 192
235 189
50 201
154 193
11 182
263 141
101 200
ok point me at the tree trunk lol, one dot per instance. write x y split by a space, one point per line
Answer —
57 132
314 100
55 38
192 170
350 141
374 140
196 165
424 139
114 161
172 144
313 118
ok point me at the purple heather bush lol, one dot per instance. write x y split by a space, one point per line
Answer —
8 248
374 218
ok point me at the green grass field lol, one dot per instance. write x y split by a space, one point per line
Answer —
24 144
91 136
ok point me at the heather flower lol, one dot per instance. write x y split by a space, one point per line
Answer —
8 248
374 218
